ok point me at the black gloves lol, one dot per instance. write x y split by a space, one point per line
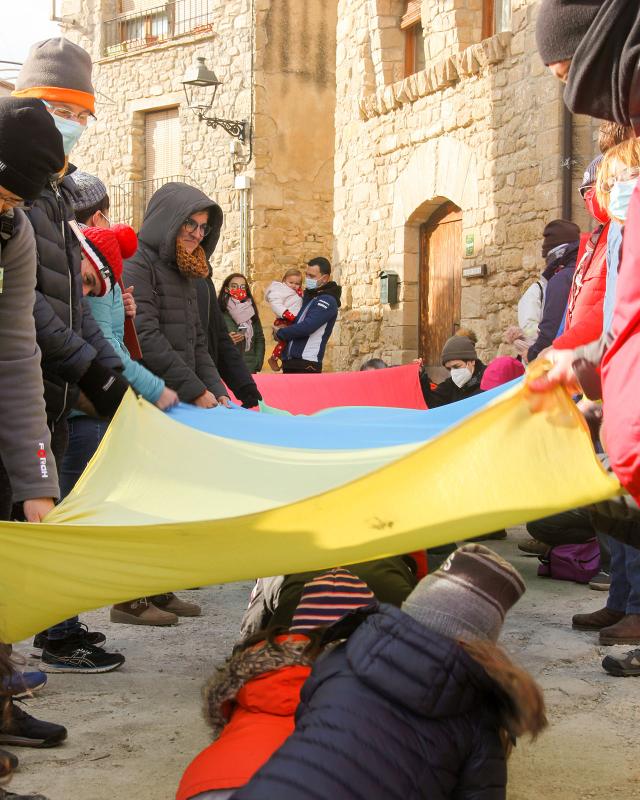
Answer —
104 387
249 395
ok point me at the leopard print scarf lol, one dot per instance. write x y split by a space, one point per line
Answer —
192 265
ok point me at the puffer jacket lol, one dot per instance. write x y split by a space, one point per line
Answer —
449 392
250 705
172 339
398 712
584 319
67 334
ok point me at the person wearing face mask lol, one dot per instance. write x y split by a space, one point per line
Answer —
306 339
242 320
466 370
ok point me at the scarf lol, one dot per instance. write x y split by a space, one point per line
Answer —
606 66
242 314
192 265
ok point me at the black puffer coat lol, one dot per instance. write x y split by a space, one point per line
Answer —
449 392
172 339
397 713
67 333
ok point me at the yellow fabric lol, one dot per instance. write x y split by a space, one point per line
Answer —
162 506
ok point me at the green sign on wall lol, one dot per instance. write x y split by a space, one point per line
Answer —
469 245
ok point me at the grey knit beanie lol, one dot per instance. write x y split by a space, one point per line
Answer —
459 347
90 191
468 597
561 25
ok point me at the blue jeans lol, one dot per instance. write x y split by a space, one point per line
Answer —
85 434
624 592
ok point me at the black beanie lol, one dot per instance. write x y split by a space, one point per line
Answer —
561 25
557 232
30 146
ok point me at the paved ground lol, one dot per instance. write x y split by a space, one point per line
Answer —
132 732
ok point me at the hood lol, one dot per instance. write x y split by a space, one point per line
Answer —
561 257
168 209
266 678
331 288
414 667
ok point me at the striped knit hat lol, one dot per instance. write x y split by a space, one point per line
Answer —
468 597
328 597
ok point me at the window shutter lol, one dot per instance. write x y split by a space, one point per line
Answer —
163 154
413 14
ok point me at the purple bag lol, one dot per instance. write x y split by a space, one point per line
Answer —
571 562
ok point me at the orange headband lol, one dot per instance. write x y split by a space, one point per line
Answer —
56 94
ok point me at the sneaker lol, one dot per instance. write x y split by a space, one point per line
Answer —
8 763
602 618
626 631
23 730
624 666
601 582
532 547
74 654
24 684
91 637
142 612
181 608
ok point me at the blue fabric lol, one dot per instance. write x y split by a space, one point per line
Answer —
108 312
397 712
353 428
614 243
624 592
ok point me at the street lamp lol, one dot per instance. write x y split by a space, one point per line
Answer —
198 81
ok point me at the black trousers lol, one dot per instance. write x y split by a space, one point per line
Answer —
299 365
569 527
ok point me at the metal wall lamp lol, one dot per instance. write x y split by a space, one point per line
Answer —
200 86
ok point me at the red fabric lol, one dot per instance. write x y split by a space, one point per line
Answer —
585 307
395 387
261 721
422 568
621 364
501 370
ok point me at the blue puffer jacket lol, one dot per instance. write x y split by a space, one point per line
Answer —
397 713
308 336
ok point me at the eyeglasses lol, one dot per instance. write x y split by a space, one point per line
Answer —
83 117
628 174
191 226
12 202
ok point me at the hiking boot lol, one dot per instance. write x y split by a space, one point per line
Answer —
181 608
73 654
275 363
142 612
626 631
91 637
601 582
597 620
23 730
532 547
7 759
24 684
624 666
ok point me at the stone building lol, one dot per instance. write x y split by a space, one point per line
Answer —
453 149
276 63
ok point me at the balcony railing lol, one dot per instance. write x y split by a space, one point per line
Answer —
128 201
139 29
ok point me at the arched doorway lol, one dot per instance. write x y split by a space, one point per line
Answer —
440 280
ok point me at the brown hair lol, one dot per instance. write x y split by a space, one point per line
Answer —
627 153
290 272
612 133
522 707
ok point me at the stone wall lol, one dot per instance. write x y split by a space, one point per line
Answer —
482 127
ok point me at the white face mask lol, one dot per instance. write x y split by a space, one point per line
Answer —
460 376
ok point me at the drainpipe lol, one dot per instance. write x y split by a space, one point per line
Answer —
243 185
567 161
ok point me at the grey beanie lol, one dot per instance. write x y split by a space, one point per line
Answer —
90 191
459 347
468 597
57 69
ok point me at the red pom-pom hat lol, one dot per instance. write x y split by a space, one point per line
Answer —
106 248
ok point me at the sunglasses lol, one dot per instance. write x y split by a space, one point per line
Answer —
191 226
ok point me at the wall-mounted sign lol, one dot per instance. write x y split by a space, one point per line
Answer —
479 271
469 245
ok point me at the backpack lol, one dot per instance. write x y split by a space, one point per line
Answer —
571 562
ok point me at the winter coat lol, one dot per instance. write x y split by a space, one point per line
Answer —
530 308
584 320
222 350
108 312
449 392
250 704
307 337
559 274
397 712
254 356
283 299
24 435
173 342
67 334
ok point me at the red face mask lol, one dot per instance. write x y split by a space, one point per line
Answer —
593 207
238 294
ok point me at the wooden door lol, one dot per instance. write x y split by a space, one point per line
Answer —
440 280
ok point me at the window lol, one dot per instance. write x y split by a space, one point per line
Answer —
411 24
163 154
496 17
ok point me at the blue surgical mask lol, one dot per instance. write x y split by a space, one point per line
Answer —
70 130
311 283
620 198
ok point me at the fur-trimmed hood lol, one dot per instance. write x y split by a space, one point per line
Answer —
265 678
